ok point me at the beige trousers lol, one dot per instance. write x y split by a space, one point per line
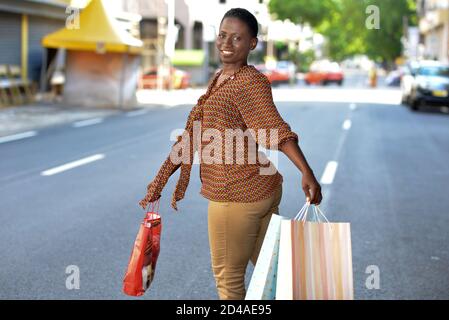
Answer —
236 233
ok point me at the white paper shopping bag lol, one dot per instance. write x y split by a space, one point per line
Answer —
263 281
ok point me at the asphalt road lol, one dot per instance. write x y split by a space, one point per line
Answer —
391 184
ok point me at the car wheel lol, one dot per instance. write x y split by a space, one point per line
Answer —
324 83
340 83
405 100
414 105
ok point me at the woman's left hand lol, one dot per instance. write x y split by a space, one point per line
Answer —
311 188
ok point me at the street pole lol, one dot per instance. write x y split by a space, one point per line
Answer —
170 40
160 57
208 36
405 39
44 71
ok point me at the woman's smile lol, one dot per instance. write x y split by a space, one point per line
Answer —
227 53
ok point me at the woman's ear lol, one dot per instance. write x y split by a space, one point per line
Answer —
254 42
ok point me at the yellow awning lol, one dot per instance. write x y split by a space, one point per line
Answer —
97 32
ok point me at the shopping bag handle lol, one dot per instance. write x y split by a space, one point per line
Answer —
152 215
302 214
318 212
154 207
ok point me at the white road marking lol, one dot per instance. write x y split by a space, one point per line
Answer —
352 106
173 106
18 136
347 124
136 113
329 172
88 122
72 165
435 258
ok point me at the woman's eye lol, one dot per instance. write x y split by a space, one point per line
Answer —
236 38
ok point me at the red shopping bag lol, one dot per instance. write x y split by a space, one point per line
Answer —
142 263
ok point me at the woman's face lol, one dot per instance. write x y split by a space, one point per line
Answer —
234 41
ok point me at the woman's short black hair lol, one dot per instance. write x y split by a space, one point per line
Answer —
246 17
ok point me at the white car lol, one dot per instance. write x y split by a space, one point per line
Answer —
430 86
407 79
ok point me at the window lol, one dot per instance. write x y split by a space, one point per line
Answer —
434 71
197 35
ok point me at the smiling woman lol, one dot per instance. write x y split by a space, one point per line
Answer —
236 38
242 196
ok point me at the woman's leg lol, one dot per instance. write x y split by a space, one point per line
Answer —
274 209
234 232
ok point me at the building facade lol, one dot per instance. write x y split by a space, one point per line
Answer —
434 29
22 25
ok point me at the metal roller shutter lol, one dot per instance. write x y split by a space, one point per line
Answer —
38 28
10 33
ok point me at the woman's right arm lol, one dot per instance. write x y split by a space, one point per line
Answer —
156 186
258 110
154 189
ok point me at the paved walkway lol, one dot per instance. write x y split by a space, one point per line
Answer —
38 115
27 117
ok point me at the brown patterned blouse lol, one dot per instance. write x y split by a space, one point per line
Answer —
242 101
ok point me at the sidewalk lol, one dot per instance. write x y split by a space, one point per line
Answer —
39 115
170 98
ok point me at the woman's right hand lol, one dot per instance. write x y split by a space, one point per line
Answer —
151 196
311 188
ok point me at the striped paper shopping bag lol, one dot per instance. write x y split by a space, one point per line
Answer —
315 259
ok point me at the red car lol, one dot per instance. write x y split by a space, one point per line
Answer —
274 76
324 72
180 79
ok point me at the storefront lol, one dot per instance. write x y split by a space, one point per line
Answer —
22 26
102 60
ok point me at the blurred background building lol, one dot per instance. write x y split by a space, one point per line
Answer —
28 65
434 28
178 41
177 45
22 26
102 57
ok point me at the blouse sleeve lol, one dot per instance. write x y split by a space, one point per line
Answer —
255 103
156 186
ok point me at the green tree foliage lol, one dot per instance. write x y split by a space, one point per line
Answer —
343 23
312 12
345 29
385 43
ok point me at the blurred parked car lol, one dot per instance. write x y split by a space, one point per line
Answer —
407 79
430 86
394 77
407 71
324 72
275 76
288 68
180 79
